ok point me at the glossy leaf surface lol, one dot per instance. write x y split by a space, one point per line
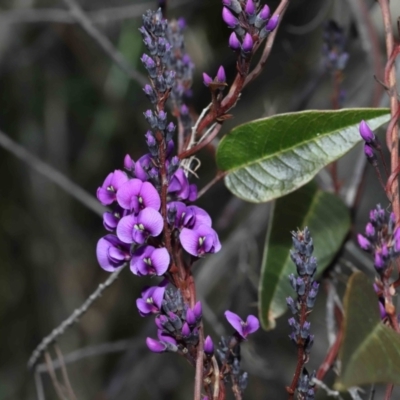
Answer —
268 158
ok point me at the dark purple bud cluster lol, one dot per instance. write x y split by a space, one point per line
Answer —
306 289
371 143
177 324
382 238
228 351
306 386
250 23
333 50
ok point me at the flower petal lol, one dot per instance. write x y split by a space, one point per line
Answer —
190 241
139 267
127 192
155 346
150 196
118 179
252 324
144 307
201 217
125 228
235 321
151 220
105 196
160 260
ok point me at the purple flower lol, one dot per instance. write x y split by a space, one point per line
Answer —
142 166
151 300
155 346
188 216
107 193
229 18
179 185
129 164
363 242
370 230
136 228
234 41
207 79
369 153
247 43
112 253
366 132
148 260
221 76
208 346
136 195
200 241
242 328
379 261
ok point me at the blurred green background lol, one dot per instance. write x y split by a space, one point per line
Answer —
63 100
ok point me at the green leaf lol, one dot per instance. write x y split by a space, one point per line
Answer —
268 158
370 351
328 220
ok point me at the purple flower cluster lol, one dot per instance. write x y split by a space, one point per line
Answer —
306 289
306 385
250 24
381 239
334 55
136 222
371 143
177 324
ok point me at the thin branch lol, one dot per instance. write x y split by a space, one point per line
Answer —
53 376
72 318
105 43
64 372
198 380
52 174
218 176
268 45
39 385
92 351
329 392
104 16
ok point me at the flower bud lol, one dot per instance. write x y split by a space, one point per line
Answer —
208 346
247 45
272 23
129 164
363 242
250 8
229 18
234 43
221 77
234 5
207 79
366 132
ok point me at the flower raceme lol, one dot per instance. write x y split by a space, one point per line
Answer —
136 218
